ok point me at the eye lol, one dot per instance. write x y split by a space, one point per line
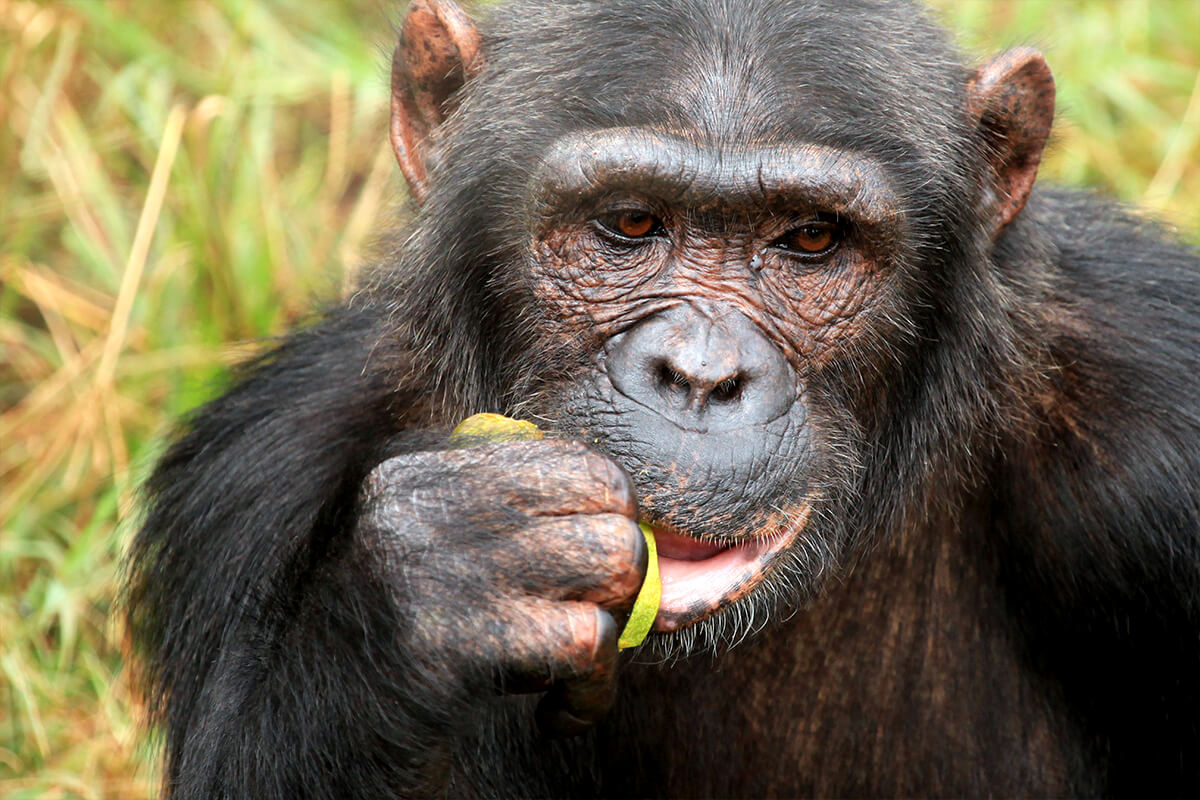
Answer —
812 239
630 225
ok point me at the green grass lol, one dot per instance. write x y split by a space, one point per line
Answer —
1128 74
180 179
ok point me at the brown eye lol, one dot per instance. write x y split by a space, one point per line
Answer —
634 224
810 239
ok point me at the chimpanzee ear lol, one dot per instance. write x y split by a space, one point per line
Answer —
1011 100
439 49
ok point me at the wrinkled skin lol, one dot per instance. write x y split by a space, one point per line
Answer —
529 604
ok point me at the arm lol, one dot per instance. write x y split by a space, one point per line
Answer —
322 610
238 512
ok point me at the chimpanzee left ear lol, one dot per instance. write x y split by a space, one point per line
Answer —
1011 101
438 51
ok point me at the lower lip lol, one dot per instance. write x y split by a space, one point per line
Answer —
700 578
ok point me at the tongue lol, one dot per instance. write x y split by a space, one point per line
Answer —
684 548
698 577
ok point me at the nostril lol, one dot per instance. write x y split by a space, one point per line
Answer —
673 379
701 369
727 390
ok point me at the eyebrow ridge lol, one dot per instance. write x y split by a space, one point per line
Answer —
681 170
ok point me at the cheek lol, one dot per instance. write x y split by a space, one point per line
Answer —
581 284
822 312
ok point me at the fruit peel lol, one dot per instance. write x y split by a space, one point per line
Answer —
645 608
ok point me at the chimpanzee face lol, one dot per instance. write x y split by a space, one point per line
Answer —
703 291
736 276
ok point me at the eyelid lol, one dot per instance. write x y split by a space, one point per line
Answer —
628 207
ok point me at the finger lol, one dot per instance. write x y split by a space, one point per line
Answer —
600 558
548 644
577 702
549 478
498 487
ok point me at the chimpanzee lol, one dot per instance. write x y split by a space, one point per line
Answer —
921 441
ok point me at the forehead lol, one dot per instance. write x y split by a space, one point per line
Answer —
850 73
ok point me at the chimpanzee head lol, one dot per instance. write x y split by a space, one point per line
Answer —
743 247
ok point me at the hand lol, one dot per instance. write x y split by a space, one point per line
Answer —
508 561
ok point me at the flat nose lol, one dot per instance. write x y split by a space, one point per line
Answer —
694 373
702 368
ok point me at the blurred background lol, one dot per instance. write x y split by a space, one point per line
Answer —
180 179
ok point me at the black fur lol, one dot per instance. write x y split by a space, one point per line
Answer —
1013 516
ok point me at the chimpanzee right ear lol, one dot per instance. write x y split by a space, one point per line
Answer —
439 49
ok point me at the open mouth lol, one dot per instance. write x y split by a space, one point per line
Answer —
700 578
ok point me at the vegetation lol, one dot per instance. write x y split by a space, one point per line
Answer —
179 180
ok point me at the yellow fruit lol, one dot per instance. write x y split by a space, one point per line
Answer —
497 427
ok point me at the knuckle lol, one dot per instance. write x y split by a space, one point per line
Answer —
601 538
612 479
624 540
582 627
597 557
553 640
396 470
619 562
